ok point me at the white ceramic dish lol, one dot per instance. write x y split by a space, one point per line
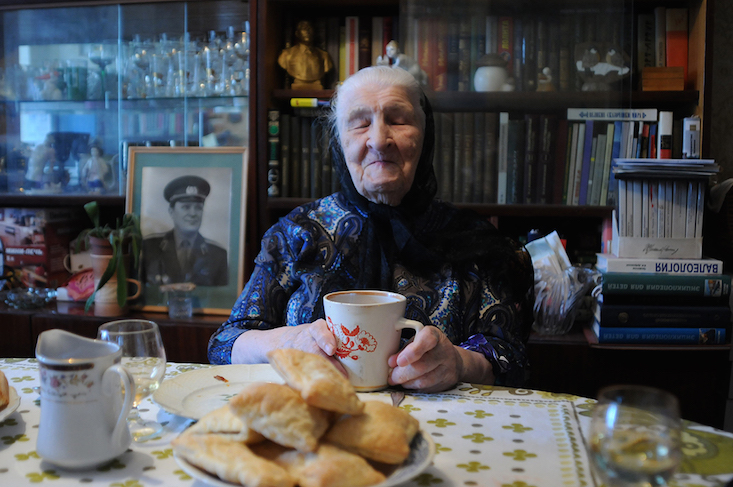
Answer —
422 451
197 392
13 403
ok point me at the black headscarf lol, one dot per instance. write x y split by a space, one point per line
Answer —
420 233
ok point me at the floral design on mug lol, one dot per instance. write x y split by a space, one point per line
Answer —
349 341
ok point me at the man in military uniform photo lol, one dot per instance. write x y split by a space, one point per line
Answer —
183 254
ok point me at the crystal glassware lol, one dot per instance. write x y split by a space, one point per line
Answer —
635 436
143 356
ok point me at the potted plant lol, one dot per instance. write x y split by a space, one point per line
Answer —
111 249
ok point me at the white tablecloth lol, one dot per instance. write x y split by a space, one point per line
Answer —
484 436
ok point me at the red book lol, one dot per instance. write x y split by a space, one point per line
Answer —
439 29
506 40
676 27
352 45
425 40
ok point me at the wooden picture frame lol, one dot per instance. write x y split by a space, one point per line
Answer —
220 228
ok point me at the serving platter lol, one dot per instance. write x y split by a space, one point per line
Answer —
422 451
197 392
13 403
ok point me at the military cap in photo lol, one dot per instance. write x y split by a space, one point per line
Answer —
186 188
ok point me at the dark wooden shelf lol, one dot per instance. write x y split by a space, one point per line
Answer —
452 101
59 200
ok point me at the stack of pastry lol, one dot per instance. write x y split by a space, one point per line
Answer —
313 431
4 391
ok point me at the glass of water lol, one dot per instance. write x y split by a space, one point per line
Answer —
635 436
143 356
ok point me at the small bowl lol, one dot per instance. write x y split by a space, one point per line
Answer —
30 298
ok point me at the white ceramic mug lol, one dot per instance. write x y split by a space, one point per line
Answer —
367 325
83 413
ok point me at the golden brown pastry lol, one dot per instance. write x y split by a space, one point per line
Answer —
317 380
329 466
280 414
231 461
225 423
383 433
4 391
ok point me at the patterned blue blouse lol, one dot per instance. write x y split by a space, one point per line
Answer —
312 251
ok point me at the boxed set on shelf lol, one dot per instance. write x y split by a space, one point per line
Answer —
660 207
36 243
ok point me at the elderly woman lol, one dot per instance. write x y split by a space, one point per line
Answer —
384 230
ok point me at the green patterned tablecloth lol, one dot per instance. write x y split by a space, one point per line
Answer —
485 436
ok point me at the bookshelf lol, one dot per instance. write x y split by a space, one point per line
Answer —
621 17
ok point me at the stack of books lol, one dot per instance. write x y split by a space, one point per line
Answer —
661 301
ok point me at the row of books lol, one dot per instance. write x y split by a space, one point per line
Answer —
448 43
489 157
299 164
661 301
662 38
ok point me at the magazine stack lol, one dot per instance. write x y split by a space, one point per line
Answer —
657 288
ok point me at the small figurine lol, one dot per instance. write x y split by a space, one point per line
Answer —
600 64
306 63
398 60
43 155
544 80
96 174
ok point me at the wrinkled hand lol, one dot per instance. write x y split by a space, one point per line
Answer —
311 337
430 363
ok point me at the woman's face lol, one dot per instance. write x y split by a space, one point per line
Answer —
381 137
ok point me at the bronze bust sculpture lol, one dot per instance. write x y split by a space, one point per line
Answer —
305 62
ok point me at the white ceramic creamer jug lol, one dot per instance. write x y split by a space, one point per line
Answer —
83 414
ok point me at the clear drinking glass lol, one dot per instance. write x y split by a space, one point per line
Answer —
635 436
144 356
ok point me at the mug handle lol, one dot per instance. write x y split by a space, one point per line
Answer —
139 288
405 323
128 382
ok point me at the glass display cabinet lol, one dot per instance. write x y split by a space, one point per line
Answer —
79 84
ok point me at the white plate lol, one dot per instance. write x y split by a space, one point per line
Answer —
422 451
13 403
197 392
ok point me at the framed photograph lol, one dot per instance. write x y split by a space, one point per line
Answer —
192 206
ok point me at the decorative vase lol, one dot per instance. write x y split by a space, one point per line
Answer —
105 299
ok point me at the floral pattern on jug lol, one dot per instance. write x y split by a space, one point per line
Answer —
349 341
62 384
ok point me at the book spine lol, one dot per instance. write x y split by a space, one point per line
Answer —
707 285
676 38
613 114
687 336
464 54
664 135
377 38
285 169
468 177
679 209
643 316
440 54
515 161
295 156
490 156
660 37
316 163
501 188
609 264
274 180
545 159
531 122
558 169
645 42
446 156
458 132
479 157
305 157
352 45
578 165
506 41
